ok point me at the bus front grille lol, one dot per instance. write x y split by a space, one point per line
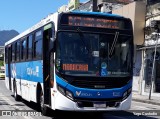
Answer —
99 83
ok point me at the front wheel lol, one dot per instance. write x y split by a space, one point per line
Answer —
44 109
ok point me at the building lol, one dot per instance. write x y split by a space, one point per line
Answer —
102 5
150 70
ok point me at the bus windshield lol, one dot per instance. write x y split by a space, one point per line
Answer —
89 54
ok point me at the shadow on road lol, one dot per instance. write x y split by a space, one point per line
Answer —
99 115
77 115
31 105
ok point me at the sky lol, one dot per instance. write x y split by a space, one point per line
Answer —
22 14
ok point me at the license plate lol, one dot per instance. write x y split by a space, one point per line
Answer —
99 104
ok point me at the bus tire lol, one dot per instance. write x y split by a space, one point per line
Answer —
16 96
44 109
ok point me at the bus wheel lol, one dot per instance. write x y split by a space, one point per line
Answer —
16 96
44 109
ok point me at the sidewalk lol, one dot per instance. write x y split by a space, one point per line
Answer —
145 99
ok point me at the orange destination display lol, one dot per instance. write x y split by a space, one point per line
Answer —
89 21
75 67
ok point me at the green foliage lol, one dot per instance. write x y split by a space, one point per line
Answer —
1 63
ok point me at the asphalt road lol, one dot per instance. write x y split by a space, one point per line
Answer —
19 109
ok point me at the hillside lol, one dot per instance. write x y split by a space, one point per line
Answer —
6 35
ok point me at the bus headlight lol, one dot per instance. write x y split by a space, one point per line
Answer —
61 90
66 93
69 95
129 91
124 95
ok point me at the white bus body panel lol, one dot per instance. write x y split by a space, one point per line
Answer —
63 103
7 82
27 89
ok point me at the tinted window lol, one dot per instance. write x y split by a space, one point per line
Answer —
13 53
29 47
38 45
23 49
18 51
94 54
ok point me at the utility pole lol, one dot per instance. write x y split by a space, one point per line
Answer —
153 65
95 6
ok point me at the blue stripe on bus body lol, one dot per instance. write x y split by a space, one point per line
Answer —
31 71
94 93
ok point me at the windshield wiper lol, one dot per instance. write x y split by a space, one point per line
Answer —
113 44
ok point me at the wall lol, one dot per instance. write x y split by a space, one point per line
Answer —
137 71
136 12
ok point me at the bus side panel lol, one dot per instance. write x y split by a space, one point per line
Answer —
33 91
27 75
7 82
6 76
18 82
12 89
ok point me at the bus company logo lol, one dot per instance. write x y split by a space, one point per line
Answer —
34 72
78 93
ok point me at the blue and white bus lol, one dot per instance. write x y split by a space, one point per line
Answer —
78 61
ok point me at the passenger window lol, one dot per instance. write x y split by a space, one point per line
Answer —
38 45
29 47
23 49
13 53
18 51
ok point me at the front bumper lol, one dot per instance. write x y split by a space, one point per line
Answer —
63 103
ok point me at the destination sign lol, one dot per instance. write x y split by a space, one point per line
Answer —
75 67
88 21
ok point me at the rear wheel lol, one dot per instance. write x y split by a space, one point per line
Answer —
16 96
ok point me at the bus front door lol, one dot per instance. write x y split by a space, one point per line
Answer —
47 36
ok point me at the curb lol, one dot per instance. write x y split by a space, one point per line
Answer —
146 101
